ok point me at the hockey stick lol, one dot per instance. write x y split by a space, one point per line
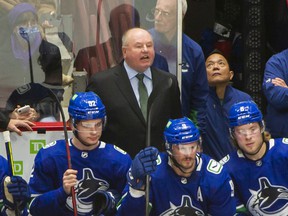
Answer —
73 195
148 143
24 34
11 171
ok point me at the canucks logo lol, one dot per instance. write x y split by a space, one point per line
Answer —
269 199
85 189
186 208
185 67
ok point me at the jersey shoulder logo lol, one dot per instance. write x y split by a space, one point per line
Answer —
120 150
186 208
285 140
158 161
50 145
224 160
214 167
23 89
269 199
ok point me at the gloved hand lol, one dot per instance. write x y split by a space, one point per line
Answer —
104 203
15 192
143 164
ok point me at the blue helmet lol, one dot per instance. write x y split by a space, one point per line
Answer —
86 106
244 112
180 131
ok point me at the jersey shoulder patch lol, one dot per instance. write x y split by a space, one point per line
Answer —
50 145
158 161
214 167
224 160
120 150
285 140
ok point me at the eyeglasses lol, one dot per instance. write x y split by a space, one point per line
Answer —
245 132
159 12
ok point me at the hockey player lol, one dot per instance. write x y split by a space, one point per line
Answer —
98 169
258 168
183 182
14 190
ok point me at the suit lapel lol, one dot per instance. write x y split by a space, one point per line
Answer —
157 81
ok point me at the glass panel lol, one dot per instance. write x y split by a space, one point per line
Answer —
72 38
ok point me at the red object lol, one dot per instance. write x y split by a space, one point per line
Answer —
225 46
49 126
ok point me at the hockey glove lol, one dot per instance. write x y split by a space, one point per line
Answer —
104 203
16 192
143 164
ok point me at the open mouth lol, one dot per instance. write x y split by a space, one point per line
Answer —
145 58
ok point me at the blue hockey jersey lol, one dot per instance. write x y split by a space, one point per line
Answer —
262 185
3 172
208 191
102 168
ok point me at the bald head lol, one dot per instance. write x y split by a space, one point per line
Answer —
138 49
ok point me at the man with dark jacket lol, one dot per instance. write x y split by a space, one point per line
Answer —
216 142
118 88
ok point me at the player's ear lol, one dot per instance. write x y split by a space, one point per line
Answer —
69 123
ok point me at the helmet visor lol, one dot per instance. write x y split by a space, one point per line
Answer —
184 149
90 126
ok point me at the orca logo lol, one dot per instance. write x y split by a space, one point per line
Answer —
186 208
269 199
185 67
85 189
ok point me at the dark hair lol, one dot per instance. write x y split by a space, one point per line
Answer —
216 51
50 57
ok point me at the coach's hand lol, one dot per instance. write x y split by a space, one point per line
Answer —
143 164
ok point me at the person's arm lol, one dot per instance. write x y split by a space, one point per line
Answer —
221 192
133 201
49 199
275 82
195 86
14 124
49 203
4 120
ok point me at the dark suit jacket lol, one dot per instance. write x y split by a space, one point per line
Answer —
126 126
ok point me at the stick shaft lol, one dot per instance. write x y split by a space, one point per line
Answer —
10 161
148 143
9 153
73 194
